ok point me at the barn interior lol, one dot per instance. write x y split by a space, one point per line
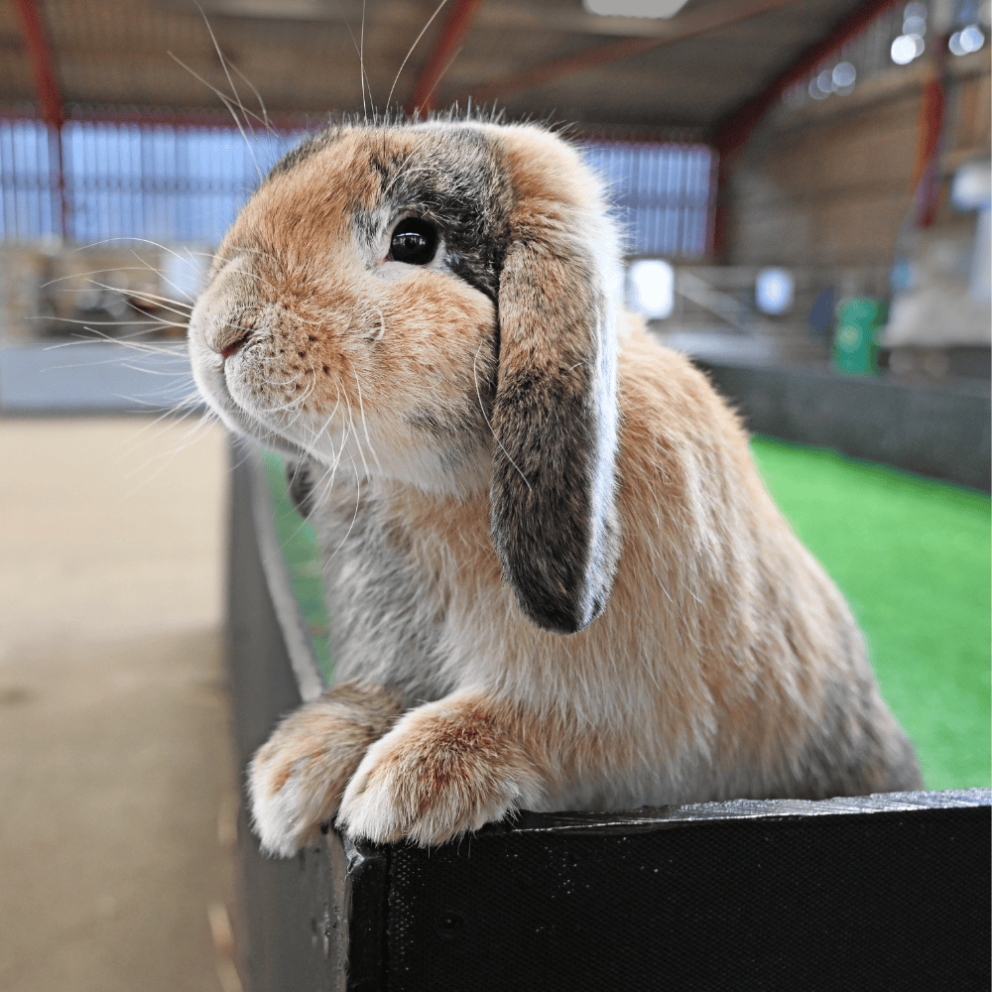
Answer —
778 157
804 189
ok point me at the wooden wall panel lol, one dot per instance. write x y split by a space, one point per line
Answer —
831 184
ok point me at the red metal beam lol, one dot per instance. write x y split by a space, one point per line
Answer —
41 62
713 17
455 28
48 94
733 133
926 181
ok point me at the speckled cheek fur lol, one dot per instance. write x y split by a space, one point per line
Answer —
407 361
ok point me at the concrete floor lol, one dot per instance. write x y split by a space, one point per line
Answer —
114 766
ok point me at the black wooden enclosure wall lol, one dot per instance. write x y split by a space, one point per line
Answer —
885 893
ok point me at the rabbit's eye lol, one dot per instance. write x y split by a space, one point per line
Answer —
414 241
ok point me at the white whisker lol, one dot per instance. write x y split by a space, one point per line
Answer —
416 42
227 103
365 426
164 279
354 520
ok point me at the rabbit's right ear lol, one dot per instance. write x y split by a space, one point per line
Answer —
553 514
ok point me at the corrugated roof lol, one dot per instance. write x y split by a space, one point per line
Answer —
302 56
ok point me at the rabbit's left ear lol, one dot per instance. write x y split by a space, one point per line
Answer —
552 501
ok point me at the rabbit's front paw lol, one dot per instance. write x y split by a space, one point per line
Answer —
445 769
296 779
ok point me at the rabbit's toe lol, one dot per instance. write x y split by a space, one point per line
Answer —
294 790
441 772
296 779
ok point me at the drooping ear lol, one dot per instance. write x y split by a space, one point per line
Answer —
552 501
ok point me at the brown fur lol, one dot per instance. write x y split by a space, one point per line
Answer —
497 456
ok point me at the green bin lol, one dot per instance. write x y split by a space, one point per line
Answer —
855 344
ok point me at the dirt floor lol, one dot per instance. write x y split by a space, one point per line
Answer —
116 785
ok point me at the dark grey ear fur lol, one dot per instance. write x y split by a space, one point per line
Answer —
552 500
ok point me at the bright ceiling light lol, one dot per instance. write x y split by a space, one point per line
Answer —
825 82
774 290
906 48
652 288
966 41
972 186
844 75
634 8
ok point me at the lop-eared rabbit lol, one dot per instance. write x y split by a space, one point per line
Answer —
555 579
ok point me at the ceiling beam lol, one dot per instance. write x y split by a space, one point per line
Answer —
691 23
410 16
446 49
41 62
733 133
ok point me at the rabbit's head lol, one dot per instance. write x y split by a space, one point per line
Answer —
435 305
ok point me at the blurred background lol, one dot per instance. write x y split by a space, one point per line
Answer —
805 191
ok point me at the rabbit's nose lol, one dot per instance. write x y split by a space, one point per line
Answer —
221 331
231 339
222 320
235 346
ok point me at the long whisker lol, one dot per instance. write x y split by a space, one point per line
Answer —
258 96
159 322
129 341
148 472
354 520
147 297
144 241
139 294
441 75
361 453
227 103
110 271
177 355
361 67
365 424
362 78
223 64
337 456
162 276
127 344
416 42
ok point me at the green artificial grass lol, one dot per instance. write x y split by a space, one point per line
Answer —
300 549
912 556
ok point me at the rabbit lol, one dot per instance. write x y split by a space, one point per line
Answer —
555 579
